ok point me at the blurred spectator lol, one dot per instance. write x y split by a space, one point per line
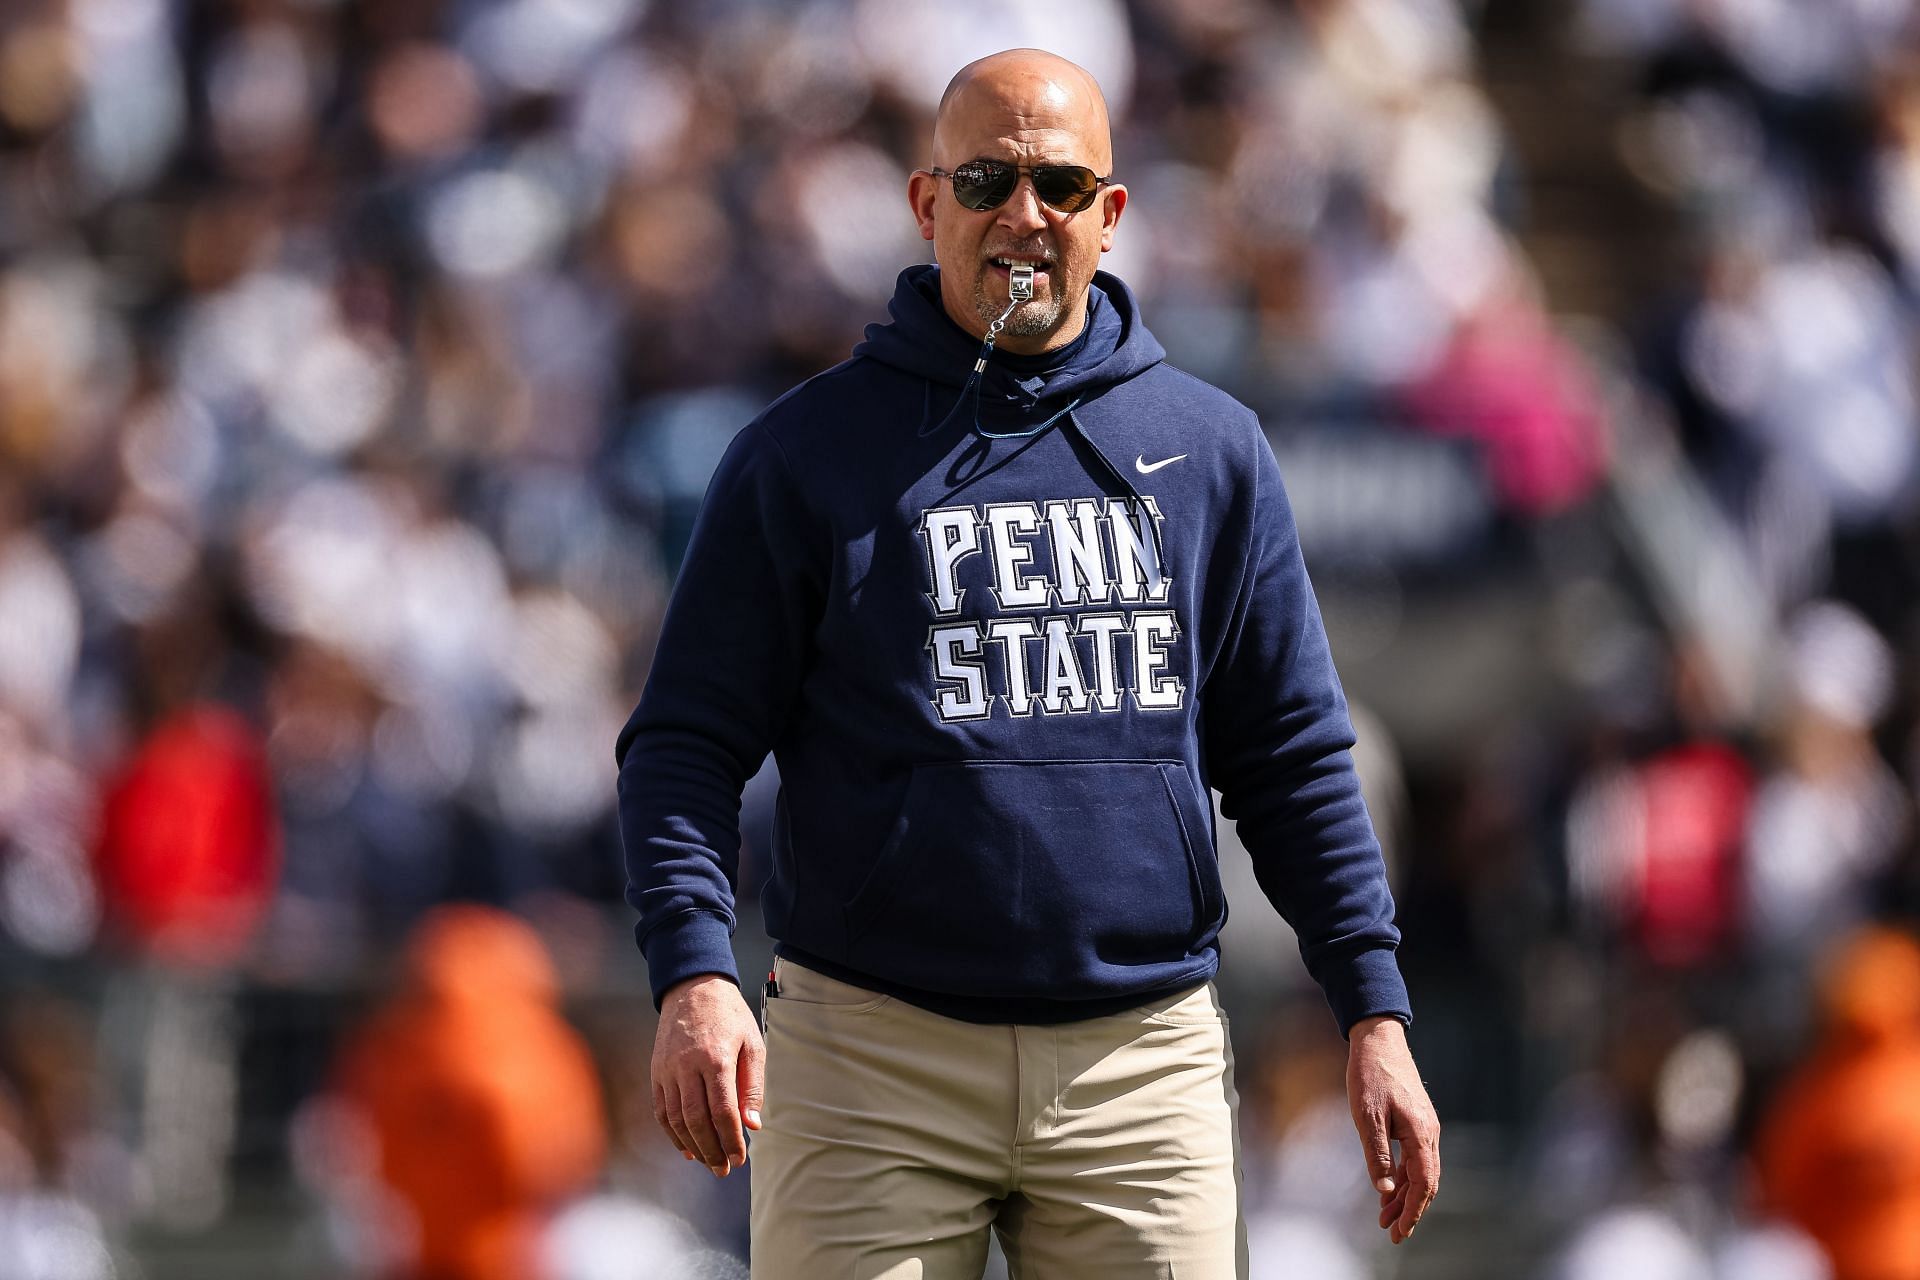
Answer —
47 1230
482 1104
1654 844
1507 381
189 840
1643 1242
1832 816
1656 851
1839 1149
616 1237
1648 1242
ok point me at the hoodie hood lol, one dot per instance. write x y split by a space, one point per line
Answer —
921 338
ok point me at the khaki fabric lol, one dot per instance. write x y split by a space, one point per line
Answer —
894 1139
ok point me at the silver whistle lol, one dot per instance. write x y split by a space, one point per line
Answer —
1020 281
1019 290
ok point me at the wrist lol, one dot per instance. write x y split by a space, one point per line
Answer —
692 986
689 945
1383 1024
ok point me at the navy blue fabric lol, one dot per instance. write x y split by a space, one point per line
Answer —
999 677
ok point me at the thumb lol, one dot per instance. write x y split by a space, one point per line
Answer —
752 1079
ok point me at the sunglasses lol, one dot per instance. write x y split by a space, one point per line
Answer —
985 184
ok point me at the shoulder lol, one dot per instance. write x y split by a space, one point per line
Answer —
840 418
1197 408
828 393
792 425
829 386
1196 397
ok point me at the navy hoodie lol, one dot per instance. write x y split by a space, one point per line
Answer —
1001 651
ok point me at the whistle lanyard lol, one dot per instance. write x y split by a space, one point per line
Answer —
1020 289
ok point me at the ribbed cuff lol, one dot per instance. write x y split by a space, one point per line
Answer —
689 945
1367 985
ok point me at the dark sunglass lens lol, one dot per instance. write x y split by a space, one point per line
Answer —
982 184
1067 187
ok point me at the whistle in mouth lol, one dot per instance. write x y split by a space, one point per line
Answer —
1020 281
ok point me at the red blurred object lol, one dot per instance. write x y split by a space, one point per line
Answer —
1695 798
189 848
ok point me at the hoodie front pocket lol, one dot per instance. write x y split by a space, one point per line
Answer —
1038 876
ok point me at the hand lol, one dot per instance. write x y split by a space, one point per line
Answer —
1390 1105
709 1071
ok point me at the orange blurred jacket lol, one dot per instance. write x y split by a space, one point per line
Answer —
1839 1151
484 1100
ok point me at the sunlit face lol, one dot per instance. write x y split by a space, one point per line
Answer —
1024 118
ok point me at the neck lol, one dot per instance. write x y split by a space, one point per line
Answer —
1041 343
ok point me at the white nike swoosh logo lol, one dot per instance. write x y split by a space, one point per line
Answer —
1146 468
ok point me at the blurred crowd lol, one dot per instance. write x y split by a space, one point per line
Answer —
362 366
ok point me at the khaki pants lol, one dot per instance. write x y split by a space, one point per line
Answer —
894 1138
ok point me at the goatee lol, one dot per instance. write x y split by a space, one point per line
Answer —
1030 319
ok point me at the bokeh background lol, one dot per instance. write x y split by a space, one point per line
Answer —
362 365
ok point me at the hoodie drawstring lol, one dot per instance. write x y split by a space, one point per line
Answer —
926 414
973 383
976 380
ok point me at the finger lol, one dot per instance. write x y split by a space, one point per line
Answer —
1390 1211
666 1126
753 1081
1378 1142
1398 1176
1423 1179
1391 1202
1399 1229
696 1115
724 1106
675 1121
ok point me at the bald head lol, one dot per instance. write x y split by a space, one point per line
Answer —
1034 111
1027 86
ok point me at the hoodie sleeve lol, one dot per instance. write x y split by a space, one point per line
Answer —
1279 744
725 678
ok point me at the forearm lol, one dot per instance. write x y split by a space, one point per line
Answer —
1318 862
725 678
1280 741
680 831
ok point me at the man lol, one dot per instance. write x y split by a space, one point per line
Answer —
1002 631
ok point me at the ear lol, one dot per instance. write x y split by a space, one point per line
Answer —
1113 201
922 189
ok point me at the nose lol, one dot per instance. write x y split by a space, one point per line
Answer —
1023 214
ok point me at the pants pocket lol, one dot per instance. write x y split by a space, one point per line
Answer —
800 985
